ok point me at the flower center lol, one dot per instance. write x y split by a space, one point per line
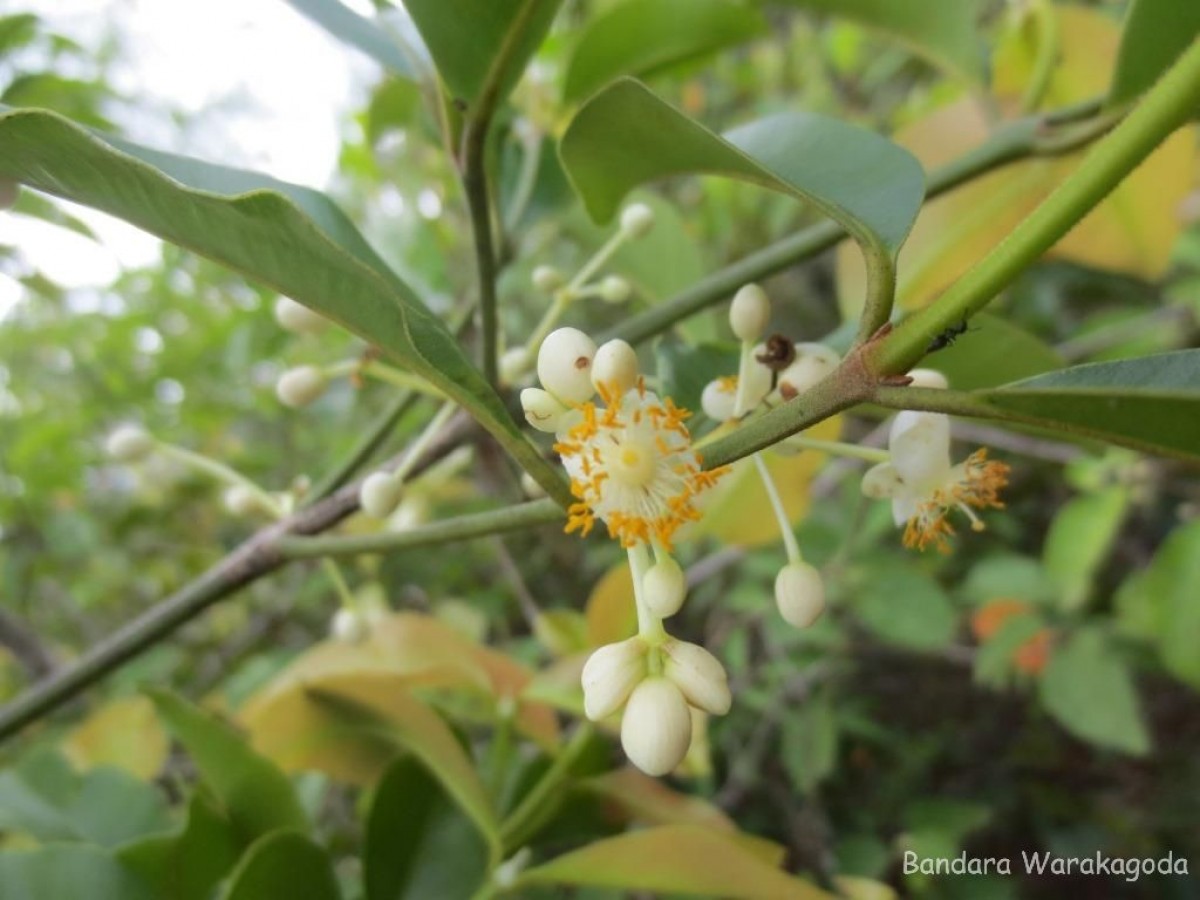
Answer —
632 462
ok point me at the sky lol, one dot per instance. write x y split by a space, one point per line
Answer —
266 87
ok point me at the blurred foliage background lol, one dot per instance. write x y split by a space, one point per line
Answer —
1036 689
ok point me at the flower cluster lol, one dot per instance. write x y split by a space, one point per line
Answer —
923 483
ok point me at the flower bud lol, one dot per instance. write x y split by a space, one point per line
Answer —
637 219
718 399
300 386
241 501
380 494
615 366
349 627
542 411
564 365
610 674
530 486
656 728
813 362
699 676
614 289
129 444
512 365
298 318
928 378
750 312
664 587
799 594
547 279
8 193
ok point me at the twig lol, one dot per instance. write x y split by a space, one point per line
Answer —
25 646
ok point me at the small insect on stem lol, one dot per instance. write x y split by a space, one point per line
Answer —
947 337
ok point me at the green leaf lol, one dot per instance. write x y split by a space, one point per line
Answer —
936 828
993 351
810 743
465 55
1088 689
684 859
294 239
644 36
358 31
1079 541
418 843
17 31
283 864
68 871
1165 598
1151 403
904 606
257 797
942 30
189 864
625 136
1156 32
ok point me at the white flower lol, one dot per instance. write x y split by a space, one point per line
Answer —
637 219
664 587
699 676
632 466
564 365
924 486
128 444
812 364
615 365
380 494
542 410
298 318
614 289
656 729
300 386
799 594
240 500
547 279
750 312
610 675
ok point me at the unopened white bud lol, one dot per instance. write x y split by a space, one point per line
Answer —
664 587
129 444
637 219
513 364
547 279
799 594
614 289
718 398
298 318
928 378
750 312
699 675
615 367
530 486
300 386
610 674
758 379
813 362
349 626
564 365
8 193
240 500
656 728
380 494
542 410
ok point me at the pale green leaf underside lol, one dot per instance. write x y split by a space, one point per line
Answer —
358 31
293 239
1151 403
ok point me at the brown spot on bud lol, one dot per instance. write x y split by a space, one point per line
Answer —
786 391
582 362
779 354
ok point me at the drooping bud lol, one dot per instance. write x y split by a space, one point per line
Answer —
547 279
615 367
750 312
928 378
542 410
129 444
380 494
298 318
637 219
664 588
349 626
718 399
656 728
300 386
610 674
512 365
799 594
699 675
614 289
564 365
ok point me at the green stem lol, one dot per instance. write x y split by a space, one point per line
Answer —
220 472
838 448
1167 106
785 526
650 626
546 794
497 521
424 439
370 441
345 595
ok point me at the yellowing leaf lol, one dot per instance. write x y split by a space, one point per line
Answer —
648 801
674 859
738 511
611 612
1132 231
125 733
421 652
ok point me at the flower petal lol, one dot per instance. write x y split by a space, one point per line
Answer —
920 447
